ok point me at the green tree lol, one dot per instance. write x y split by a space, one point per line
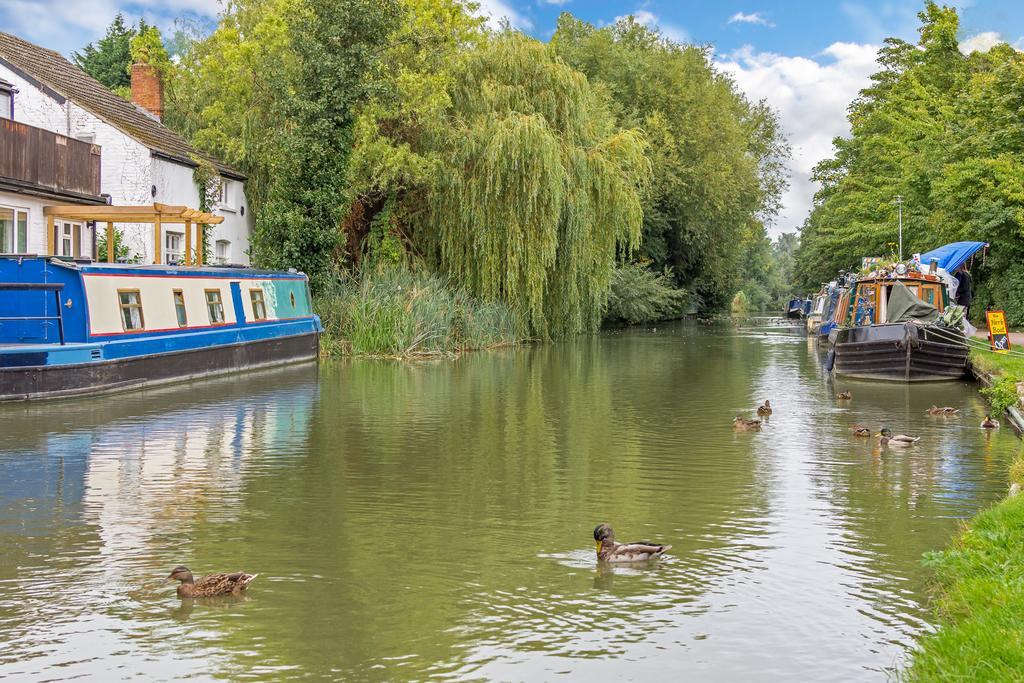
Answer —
337 46
943 130
716 157
108 59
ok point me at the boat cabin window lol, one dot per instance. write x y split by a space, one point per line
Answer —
179 308
214 306
13 230
259 308
130 301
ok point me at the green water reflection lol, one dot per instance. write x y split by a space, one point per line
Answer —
434 520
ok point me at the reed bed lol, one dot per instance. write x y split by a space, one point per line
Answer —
398 312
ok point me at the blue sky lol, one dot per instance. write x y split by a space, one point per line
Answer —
808 59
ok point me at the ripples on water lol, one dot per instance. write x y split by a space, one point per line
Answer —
434 520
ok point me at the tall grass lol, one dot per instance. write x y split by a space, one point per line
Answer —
397 311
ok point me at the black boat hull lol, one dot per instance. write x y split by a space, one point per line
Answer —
60 381
902 352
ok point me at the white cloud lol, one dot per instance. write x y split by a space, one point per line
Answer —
811 96
651 20
982 42
497 10
752 18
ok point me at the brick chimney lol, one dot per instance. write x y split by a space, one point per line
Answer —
147 90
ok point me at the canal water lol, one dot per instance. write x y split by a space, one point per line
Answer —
434 520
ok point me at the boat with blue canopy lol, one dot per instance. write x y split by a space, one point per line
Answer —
899 321
72 327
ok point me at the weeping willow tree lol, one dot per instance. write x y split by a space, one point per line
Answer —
536 190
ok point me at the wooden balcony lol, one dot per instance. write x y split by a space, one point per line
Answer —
42 163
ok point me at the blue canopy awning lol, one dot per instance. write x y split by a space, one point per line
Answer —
951 256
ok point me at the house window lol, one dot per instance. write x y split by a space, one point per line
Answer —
13 230
6 100
222 250
179 308
226 199
130 301
259 307
173 248
69 239
215 307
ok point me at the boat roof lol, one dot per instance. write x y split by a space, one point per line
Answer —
179 271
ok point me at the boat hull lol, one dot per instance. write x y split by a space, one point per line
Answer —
137 372
903 352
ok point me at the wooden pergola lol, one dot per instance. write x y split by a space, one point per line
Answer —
156 214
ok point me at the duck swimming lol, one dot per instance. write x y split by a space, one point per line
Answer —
989 423
741 424
845 395
208 586
896 440
610 551
861 431
945 410
766 409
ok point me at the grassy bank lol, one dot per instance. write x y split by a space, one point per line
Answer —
1006 372
981 600
400 313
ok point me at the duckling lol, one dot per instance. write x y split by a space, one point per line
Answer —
766 409
945 410
741 424
845 395
214 584
896 440
610 551
989 423
861 431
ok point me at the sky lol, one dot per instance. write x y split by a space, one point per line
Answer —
807 58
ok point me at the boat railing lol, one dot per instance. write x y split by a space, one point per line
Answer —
54 287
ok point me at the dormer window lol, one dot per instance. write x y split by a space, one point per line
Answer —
6 100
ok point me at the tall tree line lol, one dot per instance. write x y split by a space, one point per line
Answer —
945 131
525 172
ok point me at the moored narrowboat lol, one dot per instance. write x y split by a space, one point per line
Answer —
70 328
896 324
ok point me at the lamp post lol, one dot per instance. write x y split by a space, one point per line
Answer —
899 205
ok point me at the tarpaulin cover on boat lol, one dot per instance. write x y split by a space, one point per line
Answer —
951 256
904 305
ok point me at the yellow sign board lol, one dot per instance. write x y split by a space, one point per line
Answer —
998 334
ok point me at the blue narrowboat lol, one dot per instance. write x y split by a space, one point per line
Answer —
69 328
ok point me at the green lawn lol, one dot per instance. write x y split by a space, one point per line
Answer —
981 601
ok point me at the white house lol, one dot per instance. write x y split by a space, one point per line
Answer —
141 160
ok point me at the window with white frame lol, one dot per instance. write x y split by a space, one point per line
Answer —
174 247
69 239
13 230
222 251
227 194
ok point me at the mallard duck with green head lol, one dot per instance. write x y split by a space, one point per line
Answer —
610 551
214 584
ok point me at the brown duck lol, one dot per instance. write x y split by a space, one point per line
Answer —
208 586
845 395
610 551
989 423
743 424
766 409
944 410
861 431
